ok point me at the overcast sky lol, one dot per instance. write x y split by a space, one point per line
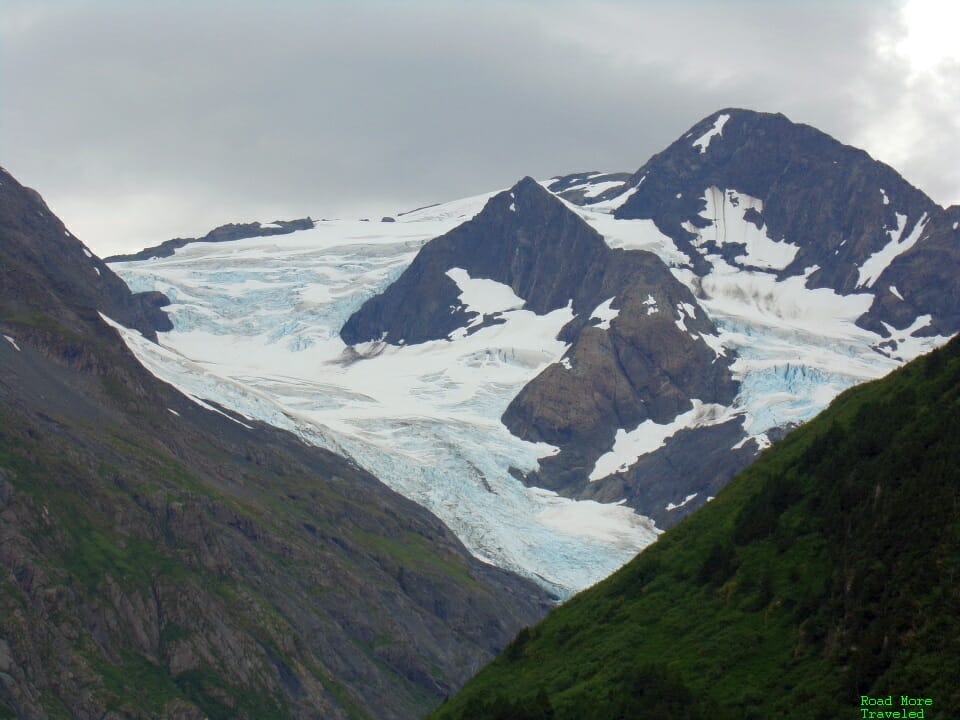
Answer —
143 121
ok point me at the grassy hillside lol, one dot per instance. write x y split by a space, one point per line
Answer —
828 570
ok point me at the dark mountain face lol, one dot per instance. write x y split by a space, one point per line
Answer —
852 218
43 263
643 364
826 572
162 560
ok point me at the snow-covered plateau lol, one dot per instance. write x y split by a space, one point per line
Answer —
257 326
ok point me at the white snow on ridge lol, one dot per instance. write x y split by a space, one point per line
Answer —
630 446
873 266
631 234
703 142
453 213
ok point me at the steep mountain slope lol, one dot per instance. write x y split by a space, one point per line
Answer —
825 572
159 558
627 362
258 329
812 260
535 368
823 211
36 270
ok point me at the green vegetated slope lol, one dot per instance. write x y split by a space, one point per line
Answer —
826 571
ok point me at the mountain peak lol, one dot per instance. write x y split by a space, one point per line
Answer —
44 266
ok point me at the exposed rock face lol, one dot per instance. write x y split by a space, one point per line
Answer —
50 259
161 560
836 203
925 279
740 192
224 233
648 362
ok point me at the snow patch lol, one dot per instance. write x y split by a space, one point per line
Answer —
482 296
12 342
173 411
873 266
886 200
908 346
604 313
590 519
725 211
687 499
86 252
893 289
715 342
703 142
630 446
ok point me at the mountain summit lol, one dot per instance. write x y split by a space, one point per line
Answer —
845 221
553 366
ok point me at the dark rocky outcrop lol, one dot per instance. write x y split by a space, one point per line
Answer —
696 461
649 363
39 256
580 188
818 194
158 559
223 233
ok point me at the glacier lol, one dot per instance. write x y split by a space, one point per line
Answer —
256 330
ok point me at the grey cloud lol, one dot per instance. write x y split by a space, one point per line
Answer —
143 121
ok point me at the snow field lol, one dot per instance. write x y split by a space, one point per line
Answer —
257 330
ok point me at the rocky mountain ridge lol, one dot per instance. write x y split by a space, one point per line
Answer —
223 233
632 365
855 221
161 556
705 304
